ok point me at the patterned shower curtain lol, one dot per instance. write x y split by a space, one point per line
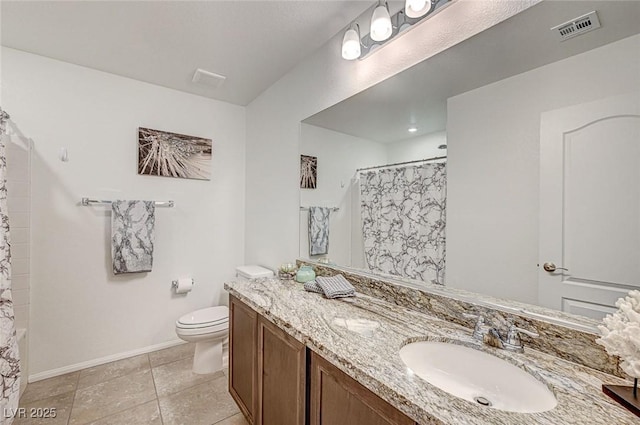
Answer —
403 221
9 358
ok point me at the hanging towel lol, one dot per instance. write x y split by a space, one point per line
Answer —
132 236
318 230
336 286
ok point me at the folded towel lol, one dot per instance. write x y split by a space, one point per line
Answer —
132 236
336 286
312 286
318 230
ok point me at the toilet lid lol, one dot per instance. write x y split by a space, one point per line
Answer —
210 316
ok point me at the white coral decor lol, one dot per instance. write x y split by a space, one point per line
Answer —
621 333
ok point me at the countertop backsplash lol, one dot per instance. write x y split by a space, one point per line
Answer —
570 344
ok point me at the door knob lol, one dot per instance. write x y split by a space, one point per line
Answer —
550 267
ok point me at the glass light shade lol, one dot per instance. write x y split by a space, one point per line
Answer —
351 44
380 24
417 8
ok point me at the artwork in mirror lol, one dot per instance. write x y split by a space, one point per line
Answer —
308 171
541 145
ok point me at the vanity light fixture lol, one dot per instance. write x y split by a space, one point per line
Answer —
351 43
417 8
381 27
412 129
384 28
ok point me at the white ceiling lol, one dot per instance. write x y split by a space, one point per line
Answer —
419 95
252 43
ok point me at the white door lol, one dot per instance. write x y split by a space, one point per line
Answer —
590 205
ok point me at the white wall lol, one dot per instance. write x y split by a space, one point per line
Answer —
420 147
273 119
81 311
493 165
339 155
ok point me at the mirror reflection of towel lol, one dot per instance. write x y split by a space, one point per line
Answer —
132 236
318 230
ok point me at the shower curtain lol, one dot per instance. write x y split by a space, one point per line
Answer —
403 221
9 358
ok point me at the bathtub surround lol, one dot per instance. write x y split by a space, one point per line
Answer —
403 221
319 230
9 356
362 337
133 235
18 154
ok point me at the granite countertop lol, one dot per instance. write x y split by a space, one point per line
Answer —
362 337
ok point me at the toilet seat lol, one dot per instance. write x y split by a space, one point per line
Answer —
212 331
205 318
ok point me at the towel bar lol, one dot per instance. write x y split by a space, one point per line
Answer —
331 208
87 202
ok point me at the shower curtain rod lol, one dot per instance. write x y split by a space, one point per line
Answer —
435 158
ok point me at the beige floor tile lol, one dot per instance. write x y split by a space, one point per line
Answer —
204 404
108 371
145 414
177 376
234 420
172 354
111 397
50 387
58 407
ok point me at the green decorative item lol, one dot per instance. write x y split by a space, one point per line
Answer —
305 274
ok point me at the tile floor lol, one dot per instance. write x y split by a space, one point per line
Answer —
155 389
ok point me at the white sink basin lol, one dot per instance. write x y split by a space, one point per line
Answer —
477 377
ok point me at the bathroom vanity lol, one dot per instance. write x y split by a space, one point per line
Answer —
271 374
298 358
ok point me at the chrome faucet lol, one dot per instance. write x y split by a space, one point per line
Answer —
492 337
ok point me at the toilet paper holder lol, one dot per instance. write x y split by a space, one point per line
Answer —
174 283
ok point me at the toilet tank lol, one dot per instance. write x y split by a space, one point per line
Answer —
253 272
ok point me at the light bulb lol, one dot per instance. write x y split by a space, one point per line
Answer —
380 24
417 8
351 44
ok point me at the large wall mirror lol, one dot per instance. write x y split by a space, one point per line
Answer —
508 165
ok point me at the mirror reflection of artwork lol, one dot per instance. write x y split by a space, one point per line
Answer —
161 153
308 172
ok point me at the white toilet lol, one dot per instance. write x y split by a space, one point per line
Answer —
208 328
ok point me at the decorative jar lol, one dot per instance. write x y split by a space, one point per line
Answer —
305 274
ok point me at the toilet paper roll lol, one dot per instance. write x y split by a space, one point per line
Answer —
184 285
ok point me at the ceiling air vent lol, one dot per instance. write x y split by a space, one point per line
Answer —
207 78
577 26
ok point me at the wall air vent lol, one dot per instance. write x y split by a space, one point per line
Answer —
577 26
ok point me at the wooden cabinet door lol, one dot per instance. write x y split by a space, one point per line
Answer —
281 377
337 399
243 356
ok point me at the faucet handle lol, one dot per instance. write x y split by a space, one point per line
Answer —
513 336
514 328
480 328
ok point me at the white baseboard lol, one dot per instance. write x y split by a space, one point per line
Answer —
102 360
